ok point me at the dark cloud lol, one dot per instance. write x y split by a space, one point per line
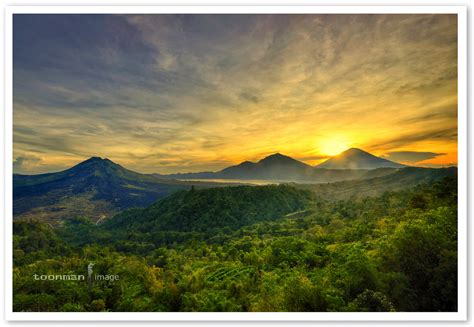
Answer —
411 156
250 95
449 77
79 44
34 165
442 113
23 164
51 143
446 134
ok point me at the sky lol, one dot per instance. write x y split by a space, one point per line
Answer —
188 93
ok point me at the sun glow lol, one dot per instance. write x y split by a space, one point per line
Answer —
333 146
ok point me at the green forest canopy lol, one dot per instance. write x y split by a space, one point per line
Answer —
266 248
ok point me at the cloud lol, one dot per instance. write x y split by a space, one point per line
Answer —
250 95
411 156
30 163
442 112
178 92
444 135
23 164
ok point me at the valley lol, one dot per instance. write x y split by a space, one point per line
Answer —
250 248
341 240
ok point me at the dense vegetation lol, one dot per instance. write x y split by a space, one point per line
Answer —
374 186
270 248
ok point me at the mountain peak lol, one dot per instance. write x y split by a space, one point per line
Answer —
355 158
277 155
95 163
278 158
273 167
353 150
281 160
99 160
95 159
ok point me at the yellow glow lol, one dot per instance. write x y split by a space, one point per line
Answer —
333 146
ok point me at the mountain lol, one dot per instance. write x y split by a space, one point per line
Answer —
97 188
278 167
358 159
274 167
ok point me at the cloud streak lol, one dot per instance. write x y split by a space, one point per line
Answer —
411 156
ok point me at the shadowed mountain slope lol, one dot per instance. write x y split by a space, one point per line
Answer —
97 188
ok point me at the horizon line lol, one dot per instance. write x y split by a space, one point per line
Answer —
254 162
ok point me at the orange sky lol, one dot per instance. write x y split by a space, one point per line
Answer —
181 93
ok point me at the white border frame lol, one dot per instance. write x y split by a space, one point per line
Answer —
461 315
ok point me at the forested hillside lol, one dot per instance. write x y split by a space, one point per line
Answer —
272 248
360 188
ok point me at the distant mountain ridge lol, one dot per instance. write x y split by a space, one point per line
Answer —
99 188
350 164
